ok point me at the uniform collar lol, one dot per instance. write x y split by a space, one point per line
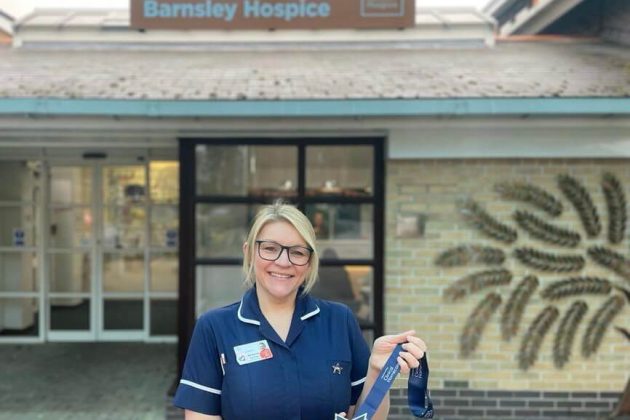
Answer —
249 312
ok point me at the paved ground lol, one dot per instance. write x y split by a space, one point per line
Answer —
57 381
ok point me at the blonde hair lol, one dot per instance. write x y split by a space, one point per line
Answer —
281 212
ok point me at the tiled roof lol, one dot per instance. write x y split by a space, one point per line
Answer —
513 69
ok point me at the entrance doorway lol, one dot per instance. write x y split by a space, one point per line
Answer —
100 254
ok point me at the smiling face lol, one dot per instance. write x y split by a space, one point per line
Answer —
278 281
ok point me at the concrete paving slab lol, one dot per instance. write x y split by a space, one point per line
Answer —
86 380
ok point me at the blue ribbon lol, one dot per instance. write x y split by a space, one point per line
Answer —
419 400
418 396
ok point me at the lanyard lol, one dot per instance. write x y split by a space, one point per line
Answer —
419 400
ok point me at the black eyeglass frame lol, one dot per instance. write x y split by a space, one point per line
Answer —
288 248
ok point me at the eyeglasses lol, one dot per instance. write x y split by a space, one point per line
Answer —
271 251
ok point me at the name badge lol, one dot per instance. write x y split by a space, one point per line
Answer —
252 352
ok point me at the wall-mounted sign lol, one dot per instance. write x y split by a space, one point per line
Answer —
271 14
170 238
19 237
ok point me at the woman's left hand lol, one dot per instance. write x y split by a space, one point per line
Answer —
413 350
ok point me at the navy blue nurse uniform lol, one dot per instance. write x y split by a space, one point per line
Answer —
317 372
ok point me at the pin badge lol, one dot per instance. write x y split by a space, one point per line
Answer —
337 369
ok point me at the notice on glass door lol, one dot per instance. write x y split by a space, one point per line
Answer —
19 237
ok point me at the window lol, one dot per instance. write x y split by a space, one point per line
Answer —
337 183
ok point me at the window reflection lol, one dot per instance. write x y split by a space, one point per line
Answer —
70 227
164 176
123 185
350 285
18 272
17 226
70 272
345 228
164 271
247 170
123 227
218 285
164 226
70 185
123 272
339 170
222 229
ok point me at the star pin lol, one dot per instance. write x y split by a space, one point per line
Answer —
337 369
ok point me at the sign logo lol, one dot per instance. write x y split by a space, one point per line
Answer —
382 8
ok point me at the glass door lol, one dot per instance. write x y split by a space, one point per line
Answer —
96 252
122 251
71 253
112 251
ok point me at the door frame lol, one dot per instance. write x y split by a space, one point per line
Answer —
97 251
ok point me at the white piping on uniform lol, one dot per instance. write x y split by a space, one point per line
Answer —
310 314
201 387
359 382
242 318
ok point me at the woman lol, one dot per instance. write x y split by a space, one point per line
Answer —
280 353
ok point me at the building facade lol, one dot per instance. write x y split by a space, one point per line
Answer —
136 160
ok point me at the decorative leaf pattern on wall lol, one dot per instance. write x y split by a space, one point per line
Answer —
611 260
565 336
513 311
477 217
545 261
599 324
473 330
576 286
535 335
546 232
575 192
475 282
616 204
555 290
470 254
531 194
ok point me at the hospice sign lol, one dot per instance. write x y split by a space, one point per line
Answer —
271 14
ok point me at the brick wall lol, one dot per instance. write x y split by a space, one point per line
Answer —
414 285
455 402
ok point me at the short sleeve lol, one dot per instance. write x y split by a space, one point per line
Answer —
360 358
199 389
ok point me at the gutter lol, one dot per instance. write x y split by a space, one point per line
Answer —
342 108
